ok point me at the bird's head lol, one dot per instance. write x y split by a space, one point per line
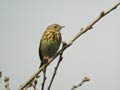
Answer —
55 27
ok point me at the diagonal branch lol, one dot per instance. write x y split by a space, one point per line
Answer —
85 79
82 31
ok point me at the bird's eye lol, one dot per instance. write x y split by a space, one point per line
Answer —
55 26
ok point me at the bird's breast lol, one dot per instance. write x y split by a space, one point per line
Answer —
50 43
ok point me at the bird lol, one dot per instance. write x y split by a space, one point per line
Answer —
50 43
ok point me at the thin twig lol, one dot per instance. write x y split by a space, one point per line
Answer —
35 83
44 79
6 80
29 85
0 74
32 84
89 26
56 68
82 31
85 79
34 87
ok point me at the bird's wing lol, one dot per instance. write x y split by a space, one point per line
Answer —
41 58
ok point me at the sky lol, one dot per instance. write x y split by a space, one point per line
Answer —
95 54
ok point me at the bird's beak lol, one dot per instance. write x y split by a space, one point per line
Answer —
62 27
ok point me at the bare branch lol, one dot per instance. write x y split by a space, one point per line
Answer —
85 79
6 80
82 31
44 79
0 74
35 83
32 84
89 26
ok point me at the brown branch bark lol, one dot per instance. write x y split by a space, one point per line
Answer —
0 74
85 79
32 84
35 84
6 80
82 31
44 79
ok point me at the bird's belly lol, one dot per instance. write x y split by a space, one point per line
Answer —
49 48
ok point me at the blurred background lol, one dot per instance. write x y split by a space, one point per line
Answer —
95 54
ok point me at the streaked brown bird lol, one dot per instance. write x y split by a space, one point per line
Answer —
50 43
